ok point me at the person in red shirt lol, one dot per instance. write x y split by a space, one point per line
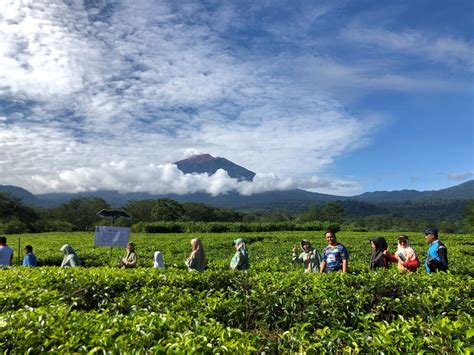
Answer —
405 256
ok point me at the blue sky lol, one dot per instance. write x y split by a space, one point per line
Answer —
338 97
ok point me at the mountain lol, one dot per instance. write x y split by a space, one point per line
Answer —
459 192
272 200
231 200
206 163
24 195
291 200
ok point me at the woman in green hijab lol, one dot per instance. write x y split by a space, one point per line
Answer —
240 260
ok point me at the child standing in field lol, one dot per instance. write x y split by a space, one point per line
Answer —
309 256
240 260
197 260
405 256
29 259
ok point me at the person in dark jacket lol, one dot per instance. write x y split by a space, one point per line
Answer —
378 259
437 255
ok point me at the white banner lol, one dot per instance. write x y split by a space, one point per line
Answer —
111 236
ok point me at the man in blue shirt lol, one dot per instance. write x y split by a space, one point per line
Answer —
335 256
29 259
437 256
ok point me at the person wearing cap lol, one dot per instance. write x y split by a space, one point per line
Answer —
437 255
240 260
335 256
405 256
6 253
309 256
378 259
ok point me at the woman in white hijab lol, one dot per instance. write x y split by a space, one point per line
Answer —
405 256
197 260
158 260
70 257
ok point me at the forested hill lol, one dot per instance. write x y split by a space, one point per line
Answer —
283 200
458 192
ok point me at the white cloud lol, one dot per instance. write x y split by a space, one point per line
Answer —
446 50
125 177
143 84
461 176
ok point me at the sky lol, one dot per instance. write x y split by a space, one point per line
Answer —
338 97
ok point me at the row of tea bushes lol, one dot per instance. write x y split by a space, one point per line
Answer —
96 309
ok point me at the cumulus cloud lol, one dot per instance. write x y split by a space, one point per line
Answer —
125 177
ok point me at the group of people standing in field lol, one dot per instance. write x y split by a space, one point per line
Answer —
406 257
334 257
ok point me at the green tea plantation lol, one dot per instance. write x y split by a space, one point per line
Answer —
272 308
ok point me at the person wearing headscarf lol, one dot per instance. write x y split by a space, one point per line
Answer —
70 257
158 260
309 256
197 260
240 260
378 259
405 256
129 259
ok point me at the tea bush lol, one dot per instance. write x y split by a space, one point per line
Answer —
274 307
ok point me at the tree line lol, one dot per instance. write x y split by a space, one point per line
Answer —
169 215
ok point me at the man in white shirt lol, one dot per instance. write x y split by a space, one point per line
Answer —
6 253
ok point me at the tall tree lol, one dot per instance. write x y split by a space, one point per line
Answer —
140 211
333 212
81 212
167 209
12 208
469 214
312 214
